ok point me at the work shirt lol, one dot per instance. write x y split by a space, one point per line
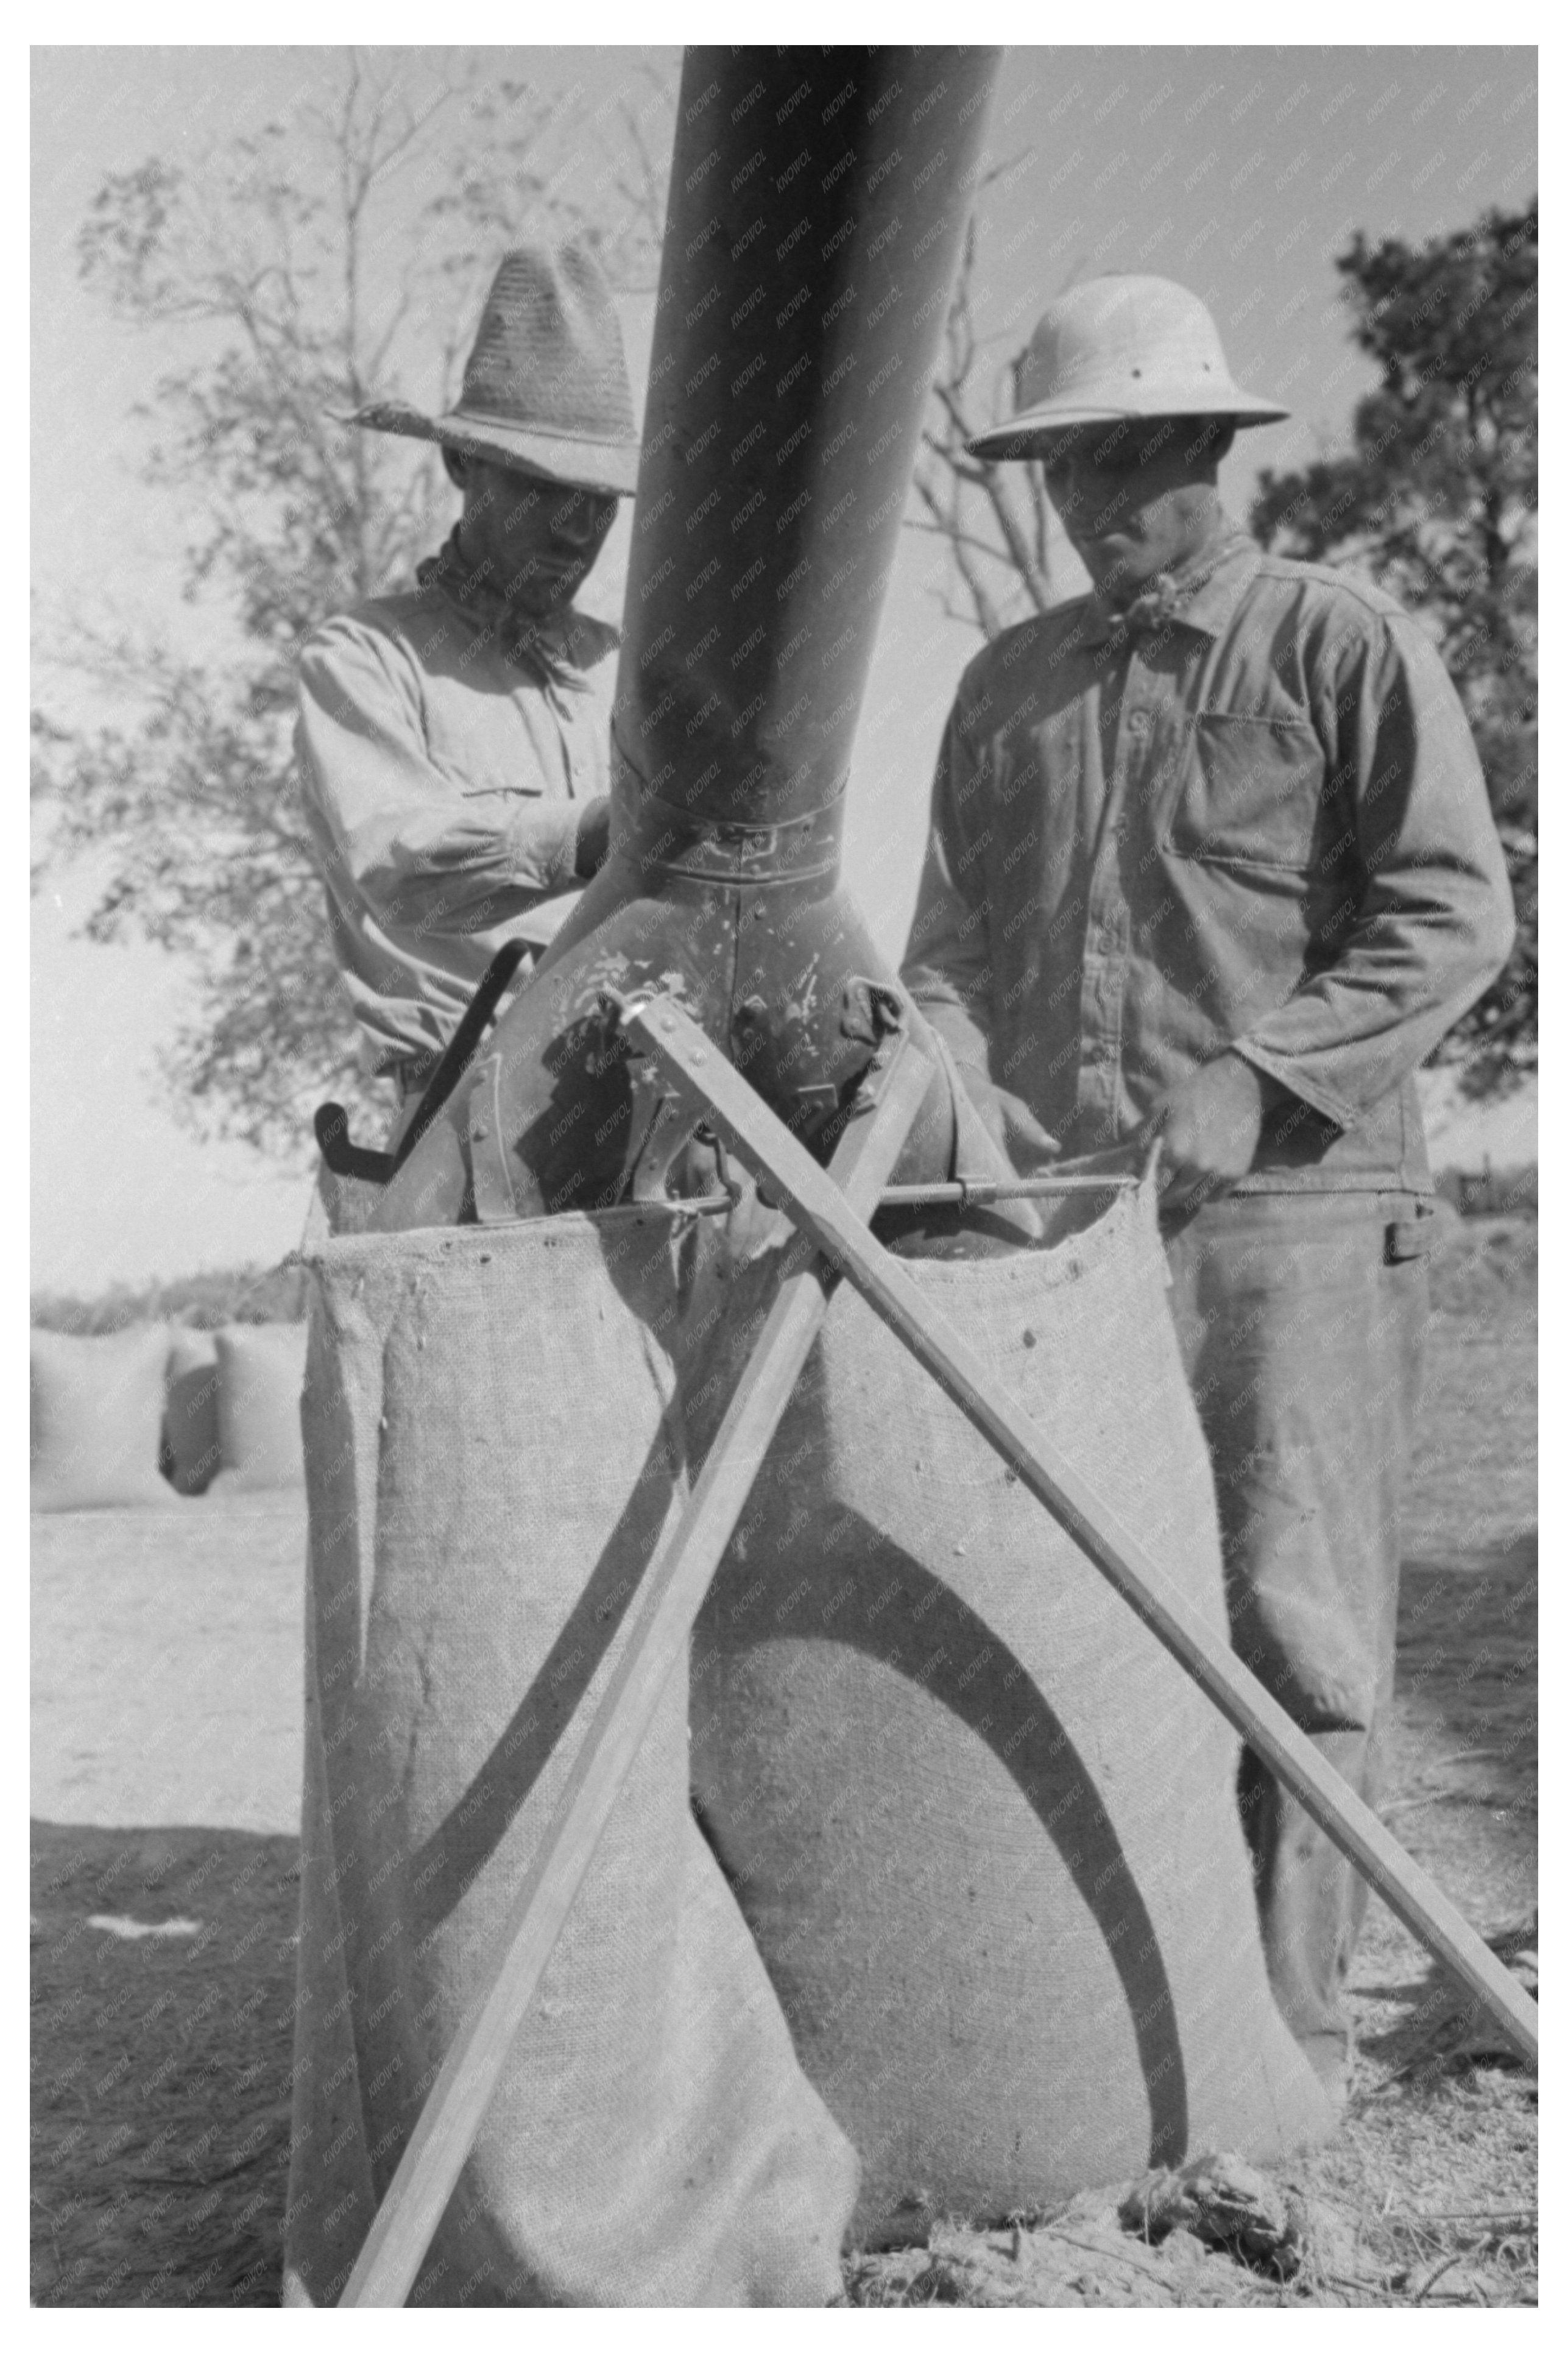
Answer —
1257 824
443 764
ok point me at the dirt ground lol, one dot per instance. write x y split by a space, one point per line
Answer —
166 1741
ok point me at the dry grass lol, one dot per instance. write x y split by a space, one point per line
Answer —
160 2065
1426 2197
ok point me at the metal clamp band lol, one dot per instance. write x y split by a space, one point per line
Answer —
669 839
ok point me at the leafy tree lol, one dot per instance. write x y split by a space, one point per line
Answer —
308 268
1436 502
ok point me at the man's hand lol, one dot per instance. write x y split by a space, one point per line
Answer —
592 837
1208 1128
1012 1126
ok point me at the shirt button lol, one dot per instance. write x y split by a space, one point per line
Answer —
1138 723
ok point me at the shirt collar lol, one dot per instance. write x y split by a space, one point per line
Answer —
561 646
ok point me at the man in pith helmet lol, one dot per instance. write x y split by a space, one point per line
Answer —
453 735
1211 857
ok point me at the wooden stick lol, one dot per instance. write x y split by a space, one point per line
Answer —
766 1147
671 1593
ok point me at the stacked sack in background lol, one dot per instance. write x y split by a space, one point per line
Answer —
97 1419
142 1416
231 1418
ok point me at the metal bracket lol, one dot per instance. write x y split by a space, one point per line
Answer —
813 1102
668 1132
666 1122
495 1203
662 1127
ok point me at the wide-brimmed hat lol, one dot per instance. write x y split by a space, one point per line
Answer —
546 387
1115 348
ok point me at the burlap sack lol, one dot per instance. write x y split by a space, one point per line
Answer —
97 1414
490 1453
192 1443
982 1827
260 1374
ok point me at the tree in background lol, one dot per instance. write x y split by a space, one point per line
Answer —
996 520
1436 502
309 268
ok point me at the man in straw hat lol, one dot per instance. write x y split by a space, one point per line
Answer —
454 736
1211 857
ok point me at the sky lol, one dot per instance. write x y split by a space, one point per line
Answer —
1241 172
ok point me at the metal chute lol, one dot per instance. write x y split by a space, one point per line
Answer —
817 199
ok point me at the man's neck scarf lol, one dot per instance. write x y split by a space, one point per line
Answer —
558 647
1163 599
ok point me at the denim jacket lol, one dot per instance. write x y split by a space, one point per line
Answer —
1259 824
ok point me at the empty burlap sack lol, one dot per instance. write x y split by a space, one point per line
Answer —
260 1374
491 1456
192 1443
983 1828
97 1415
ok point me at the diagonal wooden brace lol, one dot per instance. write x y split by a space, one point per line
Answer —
766 1148
670 1595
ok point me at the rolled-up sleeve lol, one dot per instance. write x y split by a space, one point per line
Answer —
1433 922
393 827
947 962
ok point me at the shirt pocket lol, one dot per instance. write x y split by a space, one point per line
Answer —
1249 793
480 762
502 795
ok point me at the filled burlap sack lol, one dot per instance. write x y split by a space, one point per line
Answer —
192 1440
983 1828
97 1414
260 1376
491 1452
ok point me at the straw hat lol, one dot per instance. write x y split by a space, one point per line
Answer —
547 388
1121 347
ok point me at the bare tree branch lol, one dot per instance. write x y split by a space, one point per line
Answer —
988 515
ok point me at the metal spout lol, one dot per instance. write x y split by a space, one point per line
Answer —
817 199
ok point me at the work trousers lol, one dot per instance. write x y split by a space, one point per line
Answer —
1301 1318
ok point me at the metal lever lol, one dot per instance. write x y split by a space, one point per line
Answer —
343 1156
346 1158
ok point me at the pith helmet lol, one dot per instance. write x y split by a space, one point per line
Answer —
546 387
1121 347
